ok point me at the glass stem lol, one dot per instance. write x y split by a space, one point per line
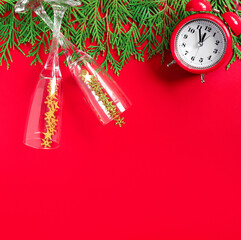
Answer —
53 58
67 46
58 17
40 11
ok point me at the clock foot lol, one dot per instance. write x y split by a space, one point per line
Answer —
171 63
202 78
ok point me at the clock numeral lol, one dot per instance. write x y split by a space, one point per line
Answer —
185 36
184 44
217 42
191 30
186 52
201 60
199 27
214 34
215 51
192 58
209 29
209 58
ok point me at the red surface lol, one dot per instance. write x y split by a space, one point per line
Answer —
214 19
172 173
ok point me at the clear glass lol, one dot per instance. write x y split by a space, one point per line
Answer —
83 67
70 3
24 5
103 94
44 122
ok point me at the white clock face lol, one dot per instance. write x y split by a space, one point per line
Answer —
200 44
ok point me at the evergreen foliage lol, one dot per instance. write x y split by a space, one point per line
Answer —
130 28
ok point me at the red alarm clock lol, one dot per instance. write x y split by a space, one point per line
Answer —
201 42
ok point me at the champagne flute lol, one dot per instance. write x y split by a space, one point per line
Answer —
102 93
44 122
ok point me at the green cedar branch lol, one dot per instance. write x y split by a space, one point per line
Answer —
117 30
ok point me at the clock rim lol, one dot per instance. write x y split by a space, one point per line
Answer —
208 17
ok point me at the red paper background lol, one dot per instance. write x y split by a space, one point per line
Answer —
173 172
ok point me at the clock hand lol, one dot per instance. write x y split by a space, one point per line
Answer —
206 38
197 52
204 35
200 43
200 35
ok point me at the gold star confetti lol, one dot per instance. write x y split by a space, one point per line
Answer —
119 121
96 87
50 114
48 136
86 77
50 117
51 129
46 143
55 105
